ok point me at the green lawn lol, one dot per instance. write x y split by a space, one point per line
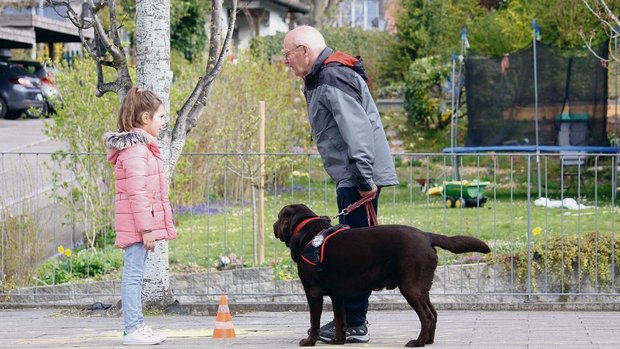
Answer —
502 222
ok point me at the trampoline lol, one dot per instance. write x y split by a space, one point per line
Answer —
541 99
533 148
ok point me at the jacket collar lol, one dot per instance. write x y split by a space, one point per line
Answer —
316 67
116 142
124 140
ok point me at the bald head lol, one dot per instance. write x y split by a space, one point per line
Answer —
310 40
307 36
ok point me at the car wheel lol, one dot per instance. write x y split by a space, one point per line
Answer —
13 115
3 108
38 112
50 110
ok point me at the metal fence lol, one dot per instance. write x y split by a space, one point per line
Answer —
550 219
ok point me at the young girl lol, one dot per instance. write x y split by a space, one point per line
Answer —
142 211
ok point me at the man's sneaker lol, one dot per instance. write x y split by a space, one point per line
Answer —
143 335
357 334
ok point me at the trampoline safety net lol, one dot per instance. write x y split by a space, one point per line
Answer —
572 98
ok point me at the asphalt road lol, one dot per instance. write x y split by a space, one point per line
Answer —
26 178
23 135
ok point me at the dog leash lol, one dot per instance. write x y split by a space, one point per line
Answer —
370 211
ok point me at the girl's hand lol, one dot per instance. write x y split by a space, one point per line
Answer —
148 239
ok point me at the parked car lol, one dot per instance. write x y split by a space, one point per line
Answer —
19 91
45 73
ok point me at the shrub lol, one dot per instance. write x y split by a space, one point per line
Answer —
562 257
80 123
423 92
78 266
21 250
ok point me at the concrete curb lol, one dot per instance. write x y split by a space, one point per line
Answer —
242 307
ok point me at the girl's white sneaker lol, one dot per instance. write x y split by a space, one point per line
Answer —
143 335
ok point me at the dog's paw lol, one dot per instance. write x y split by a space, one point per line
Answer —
414 343
307 342
337 340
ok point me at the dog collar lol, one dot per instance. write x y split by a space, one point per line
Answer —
303 223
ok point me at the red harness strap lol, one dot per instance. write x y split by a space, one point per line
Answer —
314 250
302 224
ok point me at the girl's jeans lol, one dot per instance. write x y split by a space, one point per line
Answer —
131 286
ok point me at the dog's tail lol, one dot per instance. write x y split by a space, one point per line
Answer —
459 243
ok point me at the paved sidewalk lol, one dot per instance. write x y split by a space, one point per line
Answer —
47 328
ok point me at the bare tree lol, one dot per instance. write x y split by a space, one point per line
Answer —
609 24
322 9
153 73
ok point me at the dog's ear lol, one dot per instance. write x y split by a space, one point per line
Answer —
282 226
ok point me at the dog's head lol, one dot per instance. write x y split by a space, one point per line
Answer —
288 218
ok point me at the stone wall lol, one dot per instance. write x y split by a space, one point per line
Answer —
458 284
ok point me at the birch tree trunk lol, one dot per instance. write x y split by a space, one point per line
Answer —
153 72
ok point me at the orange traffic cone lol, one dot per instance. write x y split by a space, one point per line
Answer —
223 321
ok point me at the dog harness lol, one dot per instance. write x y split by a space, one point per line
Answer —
313 252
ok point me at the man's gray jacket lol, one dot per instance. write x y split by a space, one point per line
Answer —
346 125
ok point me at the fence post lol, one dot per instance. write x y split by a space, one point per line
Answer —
261 188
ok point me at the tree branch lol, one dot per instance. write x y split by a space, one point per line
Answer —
187 117
610 22
189 113
114 46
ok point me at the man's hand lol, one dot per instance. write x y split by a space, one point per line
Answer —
371 192
148 239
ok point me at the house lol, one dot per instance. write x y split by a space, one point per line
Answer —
261 18
367 14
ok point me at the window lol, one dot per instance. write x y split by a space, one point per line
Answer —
360 13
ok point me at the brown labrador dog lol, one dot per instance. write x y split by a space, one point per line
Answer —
359 260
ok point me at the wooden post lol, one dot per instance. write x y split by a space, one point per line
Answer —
261 189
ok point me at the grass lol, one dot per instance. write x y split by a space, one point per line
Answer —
502 222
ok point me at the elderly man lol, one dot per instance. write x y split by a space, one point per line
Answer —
349 136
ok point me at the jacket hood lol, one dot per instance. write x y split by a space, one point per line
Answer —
115 142
330 57
354 63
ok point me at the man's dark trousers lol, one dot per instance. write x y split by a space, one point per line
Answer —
356 307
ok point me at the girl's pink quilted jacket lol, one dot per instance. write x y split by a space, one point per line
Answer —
141 202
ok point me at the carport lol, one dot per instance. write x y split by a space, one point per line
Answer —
16 38
27 30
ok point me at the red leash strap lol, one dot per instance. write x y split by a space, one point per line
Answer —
370 211
371 214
